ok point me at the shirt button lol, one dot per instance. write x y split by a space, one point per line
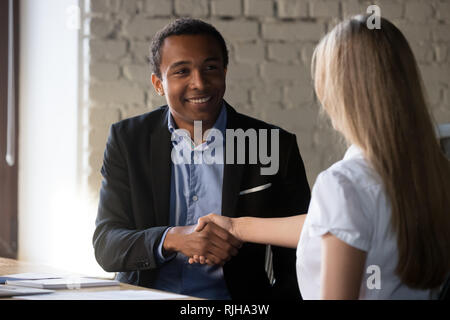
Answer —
194 198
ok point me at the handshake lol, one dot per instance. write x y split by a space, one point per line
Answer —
213 240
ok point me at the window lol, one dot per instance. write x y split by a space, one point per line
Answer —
8 128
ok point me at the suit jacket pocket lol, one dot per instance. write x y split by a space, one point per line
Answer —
256 201
255 189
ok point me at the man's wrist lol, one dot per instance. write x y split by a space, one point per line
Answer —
169 244
174 238
162 256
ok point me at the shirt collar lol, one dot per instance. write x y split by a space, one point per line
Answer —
220 125
353 152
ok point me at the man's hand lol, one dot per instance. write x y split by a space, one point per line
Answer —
213 242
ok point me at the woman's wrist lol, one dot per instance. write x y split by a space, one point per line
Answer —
237 228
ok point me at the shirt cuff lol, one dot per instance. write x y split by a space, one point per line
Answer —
160 257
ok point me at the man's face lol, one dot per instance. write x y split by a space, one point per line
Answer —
192 78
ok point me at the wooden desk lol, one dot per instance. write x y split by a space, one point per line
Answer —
9 266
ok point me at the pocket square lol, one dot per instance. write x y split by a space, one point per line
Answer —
255 189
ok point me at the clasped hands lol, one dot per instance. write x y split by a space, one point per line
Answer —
223 222
211 241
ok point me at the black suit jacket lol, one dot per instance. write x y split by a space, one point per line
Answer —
133 211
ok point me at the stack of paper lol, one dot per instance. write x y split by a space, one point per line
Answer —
108 295
28 276
63 283
11 291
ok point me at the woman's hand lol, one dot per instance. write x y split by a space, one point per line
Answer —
222 221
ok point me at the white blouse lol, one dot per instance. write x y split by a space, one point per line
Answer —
349 201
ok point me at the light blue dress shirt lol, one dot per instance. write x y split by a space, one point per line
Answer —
196 190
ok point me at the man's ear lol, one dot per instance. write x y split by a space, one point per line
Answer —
157 84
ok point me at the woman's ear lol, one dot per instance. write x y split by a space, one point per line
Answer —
157 84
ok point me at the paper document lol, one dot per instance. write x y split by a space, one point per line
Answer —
11 291
64 283
29 276
107 295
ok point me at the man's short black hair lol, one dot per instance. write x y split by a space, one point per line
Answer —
183 26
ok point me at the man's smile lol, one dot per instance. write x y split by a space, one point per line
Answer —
199 100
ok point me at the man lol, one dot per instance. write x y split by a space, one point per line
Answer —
149 205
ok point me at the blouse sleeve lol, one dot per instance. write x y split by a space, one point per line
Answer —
335 207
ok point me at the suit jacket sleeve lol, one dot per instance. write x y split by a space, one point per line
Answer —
118 245
294 199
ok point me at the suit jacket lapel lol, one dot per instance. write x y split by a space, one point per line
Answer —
232 173
160 150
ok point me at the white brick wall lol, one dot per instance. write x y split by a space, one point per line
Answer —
292 8
158 7
258 8
270 44
226 8
193 8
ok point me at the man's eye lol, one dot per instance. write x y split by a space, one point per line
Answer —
212 67
182 71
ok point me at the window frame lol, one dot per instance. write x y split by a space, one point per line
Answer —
8 174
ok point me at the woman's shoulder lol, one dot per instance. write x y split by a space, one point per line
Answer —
343 204
353 171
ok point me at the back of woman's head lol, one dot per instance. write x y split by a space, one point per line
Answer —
369 84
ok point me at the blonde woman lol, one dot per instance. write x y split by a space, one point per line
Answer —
378 225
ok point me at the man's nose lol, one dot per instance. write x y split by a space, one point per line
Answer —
198 80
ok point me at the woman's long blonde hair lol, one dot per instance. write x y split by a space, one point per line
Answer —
369 84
